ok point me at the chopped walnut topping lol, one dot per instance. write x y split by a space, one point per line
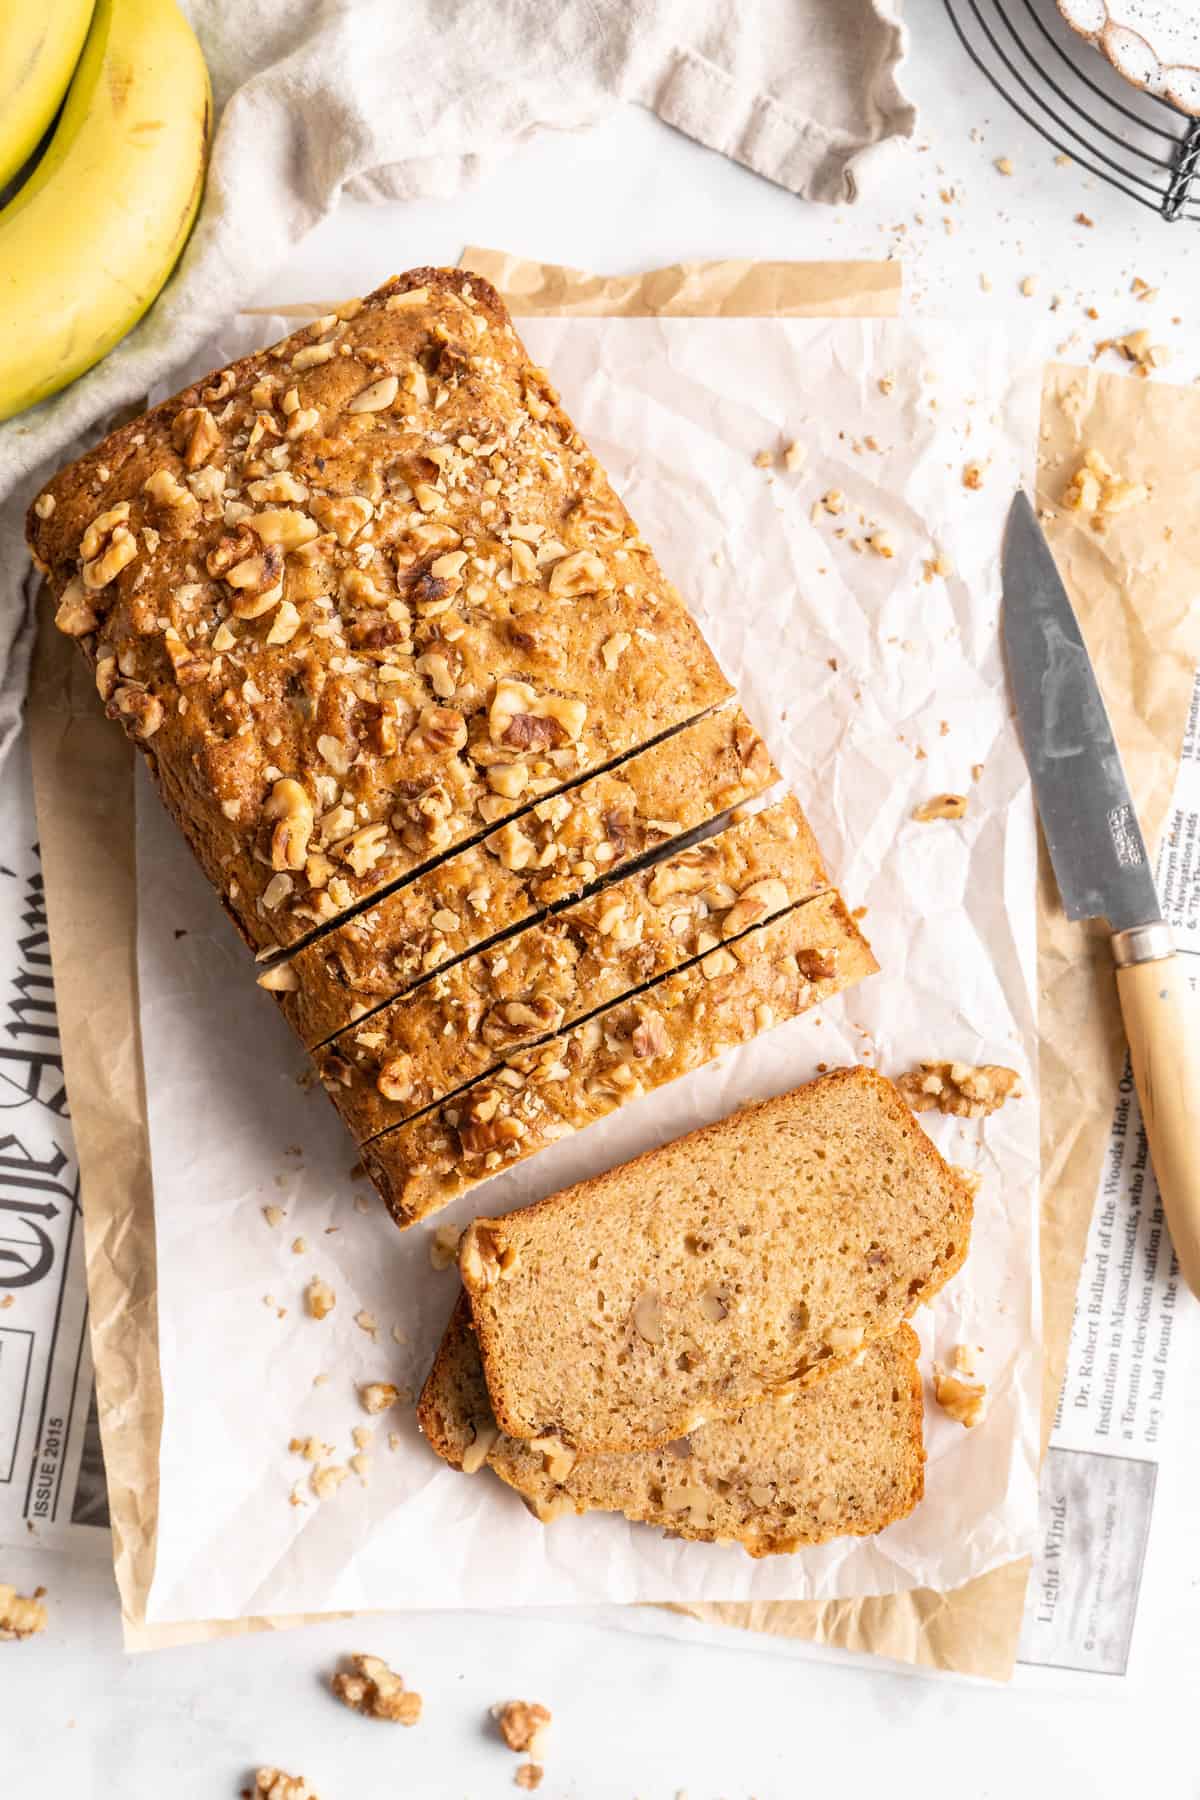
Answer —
941 806
319 1298
959 1088
523 1725
963 1400
371 1688
21 1615
292 810
274 1784
75 615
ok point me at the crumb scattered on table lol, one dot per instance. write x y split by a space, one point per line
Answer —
371 1688
21 1615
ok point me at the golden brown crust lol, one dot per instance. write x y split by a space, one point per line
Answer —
466 1020
361 595
543 858
629 1050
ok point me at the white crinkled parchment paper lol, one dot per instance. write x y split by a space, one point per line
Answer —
877 684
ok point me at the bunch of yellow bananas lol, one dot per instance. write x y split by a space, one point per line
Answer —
90 236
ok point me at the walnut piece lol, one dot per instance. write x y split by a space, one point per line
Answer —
371 1688
1098 491
21 1615
941 806
274 1784
523 1725
963 1400
377 1396
529 1776
960 1088
319 1298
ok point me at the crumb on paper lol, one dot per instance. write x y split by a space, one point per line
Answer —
443 1245
833 501
960 1089
794 457
8 1300
377 1396
325 1482
399 1335
371 1688
765 459
885 384
1062 160
1142 290
985 283
523 1725
296 1497
360 1462
274 1215
529 1776
882 544
1029 286
1081 218
310 1448
367 1322
965 1358
362 1435
1097 490
937 567
21 1615
362 1203
298 1246
1004 165
320 1380
319 1298
962 1400
941 806
1136 348
274 1784
972 476
976 771
394 1440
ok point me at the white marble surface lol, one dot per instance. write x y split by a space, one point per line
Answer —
643 1715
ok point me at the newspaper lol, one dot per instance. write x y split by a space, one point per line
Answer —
1132 1317
51 1473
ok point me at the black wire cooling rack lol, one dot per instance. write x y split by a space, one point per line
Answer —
1071 95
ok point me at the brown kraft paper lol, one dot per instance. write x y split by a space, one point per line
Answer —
1131 589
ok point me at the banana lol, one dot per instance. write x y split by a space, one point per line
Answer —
39 47
90 239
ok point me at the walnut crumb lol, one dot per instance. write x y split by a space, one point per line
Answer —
21 1615
1097 490
961 1089
529 1776
274 1784
371 1688
963 1400
765 459
1004 165
298 1246
443 1245
377 1396
319 1298
523 1725
794 457
274 1215
941 806
972 476
882 544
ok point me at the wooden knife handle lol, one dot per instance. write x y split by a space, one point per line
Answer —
1162 1021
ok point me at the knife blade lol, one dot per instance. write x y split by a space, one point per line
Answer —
1087 814
1100 861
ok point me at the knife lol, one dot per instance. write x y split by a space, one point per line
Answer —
1101 865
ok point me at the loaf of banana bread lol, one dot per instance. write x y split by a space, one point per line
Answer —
361 596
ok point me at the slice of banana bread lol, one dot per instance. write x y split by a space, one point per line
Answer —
467 1019
741 1260
843 1458
771 974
